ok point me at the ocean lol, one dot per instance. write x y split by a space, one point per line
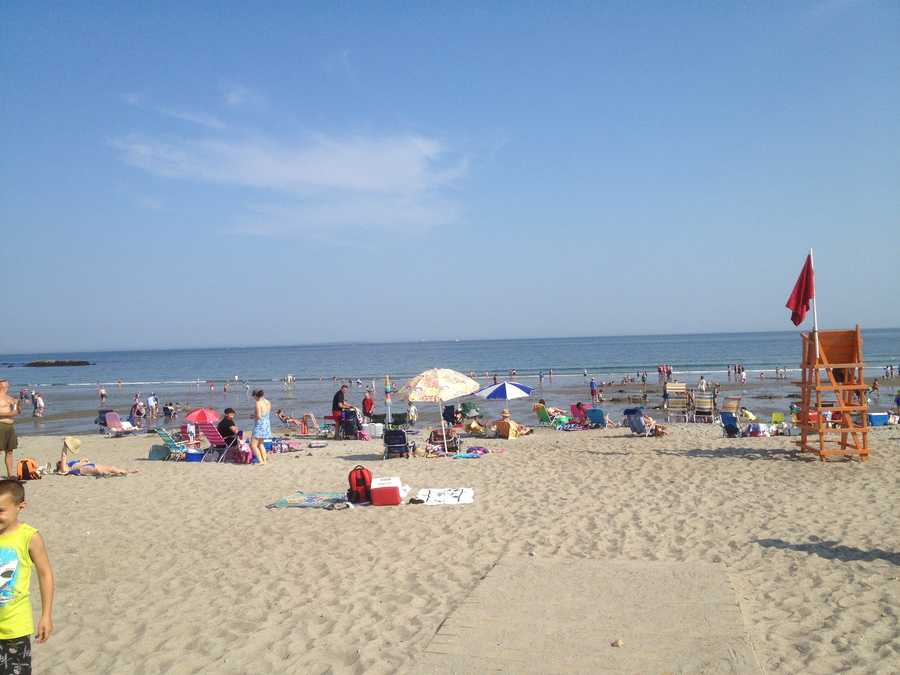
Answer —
184 375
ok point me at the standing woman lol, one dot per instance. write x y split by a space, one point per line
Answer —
262 429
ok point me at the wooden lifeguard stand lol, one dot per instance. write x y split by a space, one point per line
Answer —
833 395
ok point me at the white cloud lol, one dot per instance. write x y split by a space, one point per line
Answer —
237 94
321 182
200 118
401 164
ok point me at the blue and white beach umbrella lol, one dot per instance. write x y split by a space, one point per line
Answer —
504 391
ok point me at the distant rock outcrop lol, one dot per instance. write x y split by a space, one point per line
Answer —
55 363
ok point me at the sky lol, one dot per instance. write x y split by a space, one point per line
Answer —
215 174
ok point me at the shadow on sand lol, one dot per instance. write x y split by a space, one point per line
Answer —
745 453
368 457
832 550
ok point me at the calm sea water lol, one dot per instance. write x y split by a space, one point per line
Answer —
183 375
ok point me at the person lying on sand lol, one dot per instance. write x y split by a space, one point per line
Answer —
308 418
83 466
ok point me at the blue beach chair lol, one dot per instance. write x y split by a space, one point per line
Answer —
730 426
596 417
637 426
634 418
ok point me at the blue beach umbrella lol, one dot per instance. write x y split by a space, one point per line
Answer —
504 391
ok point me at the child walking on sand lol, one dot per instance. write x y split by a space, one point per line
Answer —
21 548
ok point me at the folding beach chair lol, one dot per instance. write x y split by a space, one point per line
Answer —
637 425
704 407
730 426
185 437
731 404
437 438
396 444
219 445
177 450
502 429
677 403
116 427
596 417
543 417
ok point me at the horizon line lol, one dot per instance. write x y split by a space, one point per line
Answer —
420 341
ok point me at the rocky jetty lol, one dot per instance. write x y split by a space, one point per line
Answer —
56 363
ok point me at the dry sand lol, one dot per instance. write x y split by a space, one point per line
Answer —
181 569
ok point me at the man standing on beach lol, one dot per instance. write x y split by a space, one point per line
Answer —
338 406
593 390
9 408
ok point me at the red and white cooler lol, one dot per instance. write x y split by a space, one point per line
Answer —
386 491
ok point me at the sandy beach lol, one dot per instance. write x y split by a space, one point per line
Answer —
181 568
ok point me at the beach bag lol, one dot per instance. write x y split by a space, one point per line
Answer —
360 480
363 435
27 469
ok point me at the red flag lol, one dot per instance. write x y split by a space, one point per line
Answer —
804 291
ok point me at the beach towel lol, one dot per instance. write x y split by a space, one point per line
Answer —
570 427
308 500
439 496
466 455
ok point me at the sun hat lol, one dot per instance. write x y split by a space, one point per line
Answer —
504 413
72 444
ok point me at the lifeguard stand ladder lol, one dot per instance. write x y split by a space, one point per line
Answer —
833 407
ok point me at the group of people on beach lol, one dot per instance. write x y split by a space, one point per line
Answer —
37 401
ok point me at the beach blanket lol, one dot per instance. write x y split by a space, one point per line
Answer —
479 450
466 455
285 445
308 500
437 496
570 427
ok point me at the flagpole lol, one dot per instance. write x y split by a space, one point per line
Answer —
815 313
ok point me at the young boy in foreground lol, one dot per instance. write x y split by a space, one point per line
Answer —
21 548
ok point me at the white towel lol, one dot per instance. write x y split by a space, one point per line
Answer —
434 496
